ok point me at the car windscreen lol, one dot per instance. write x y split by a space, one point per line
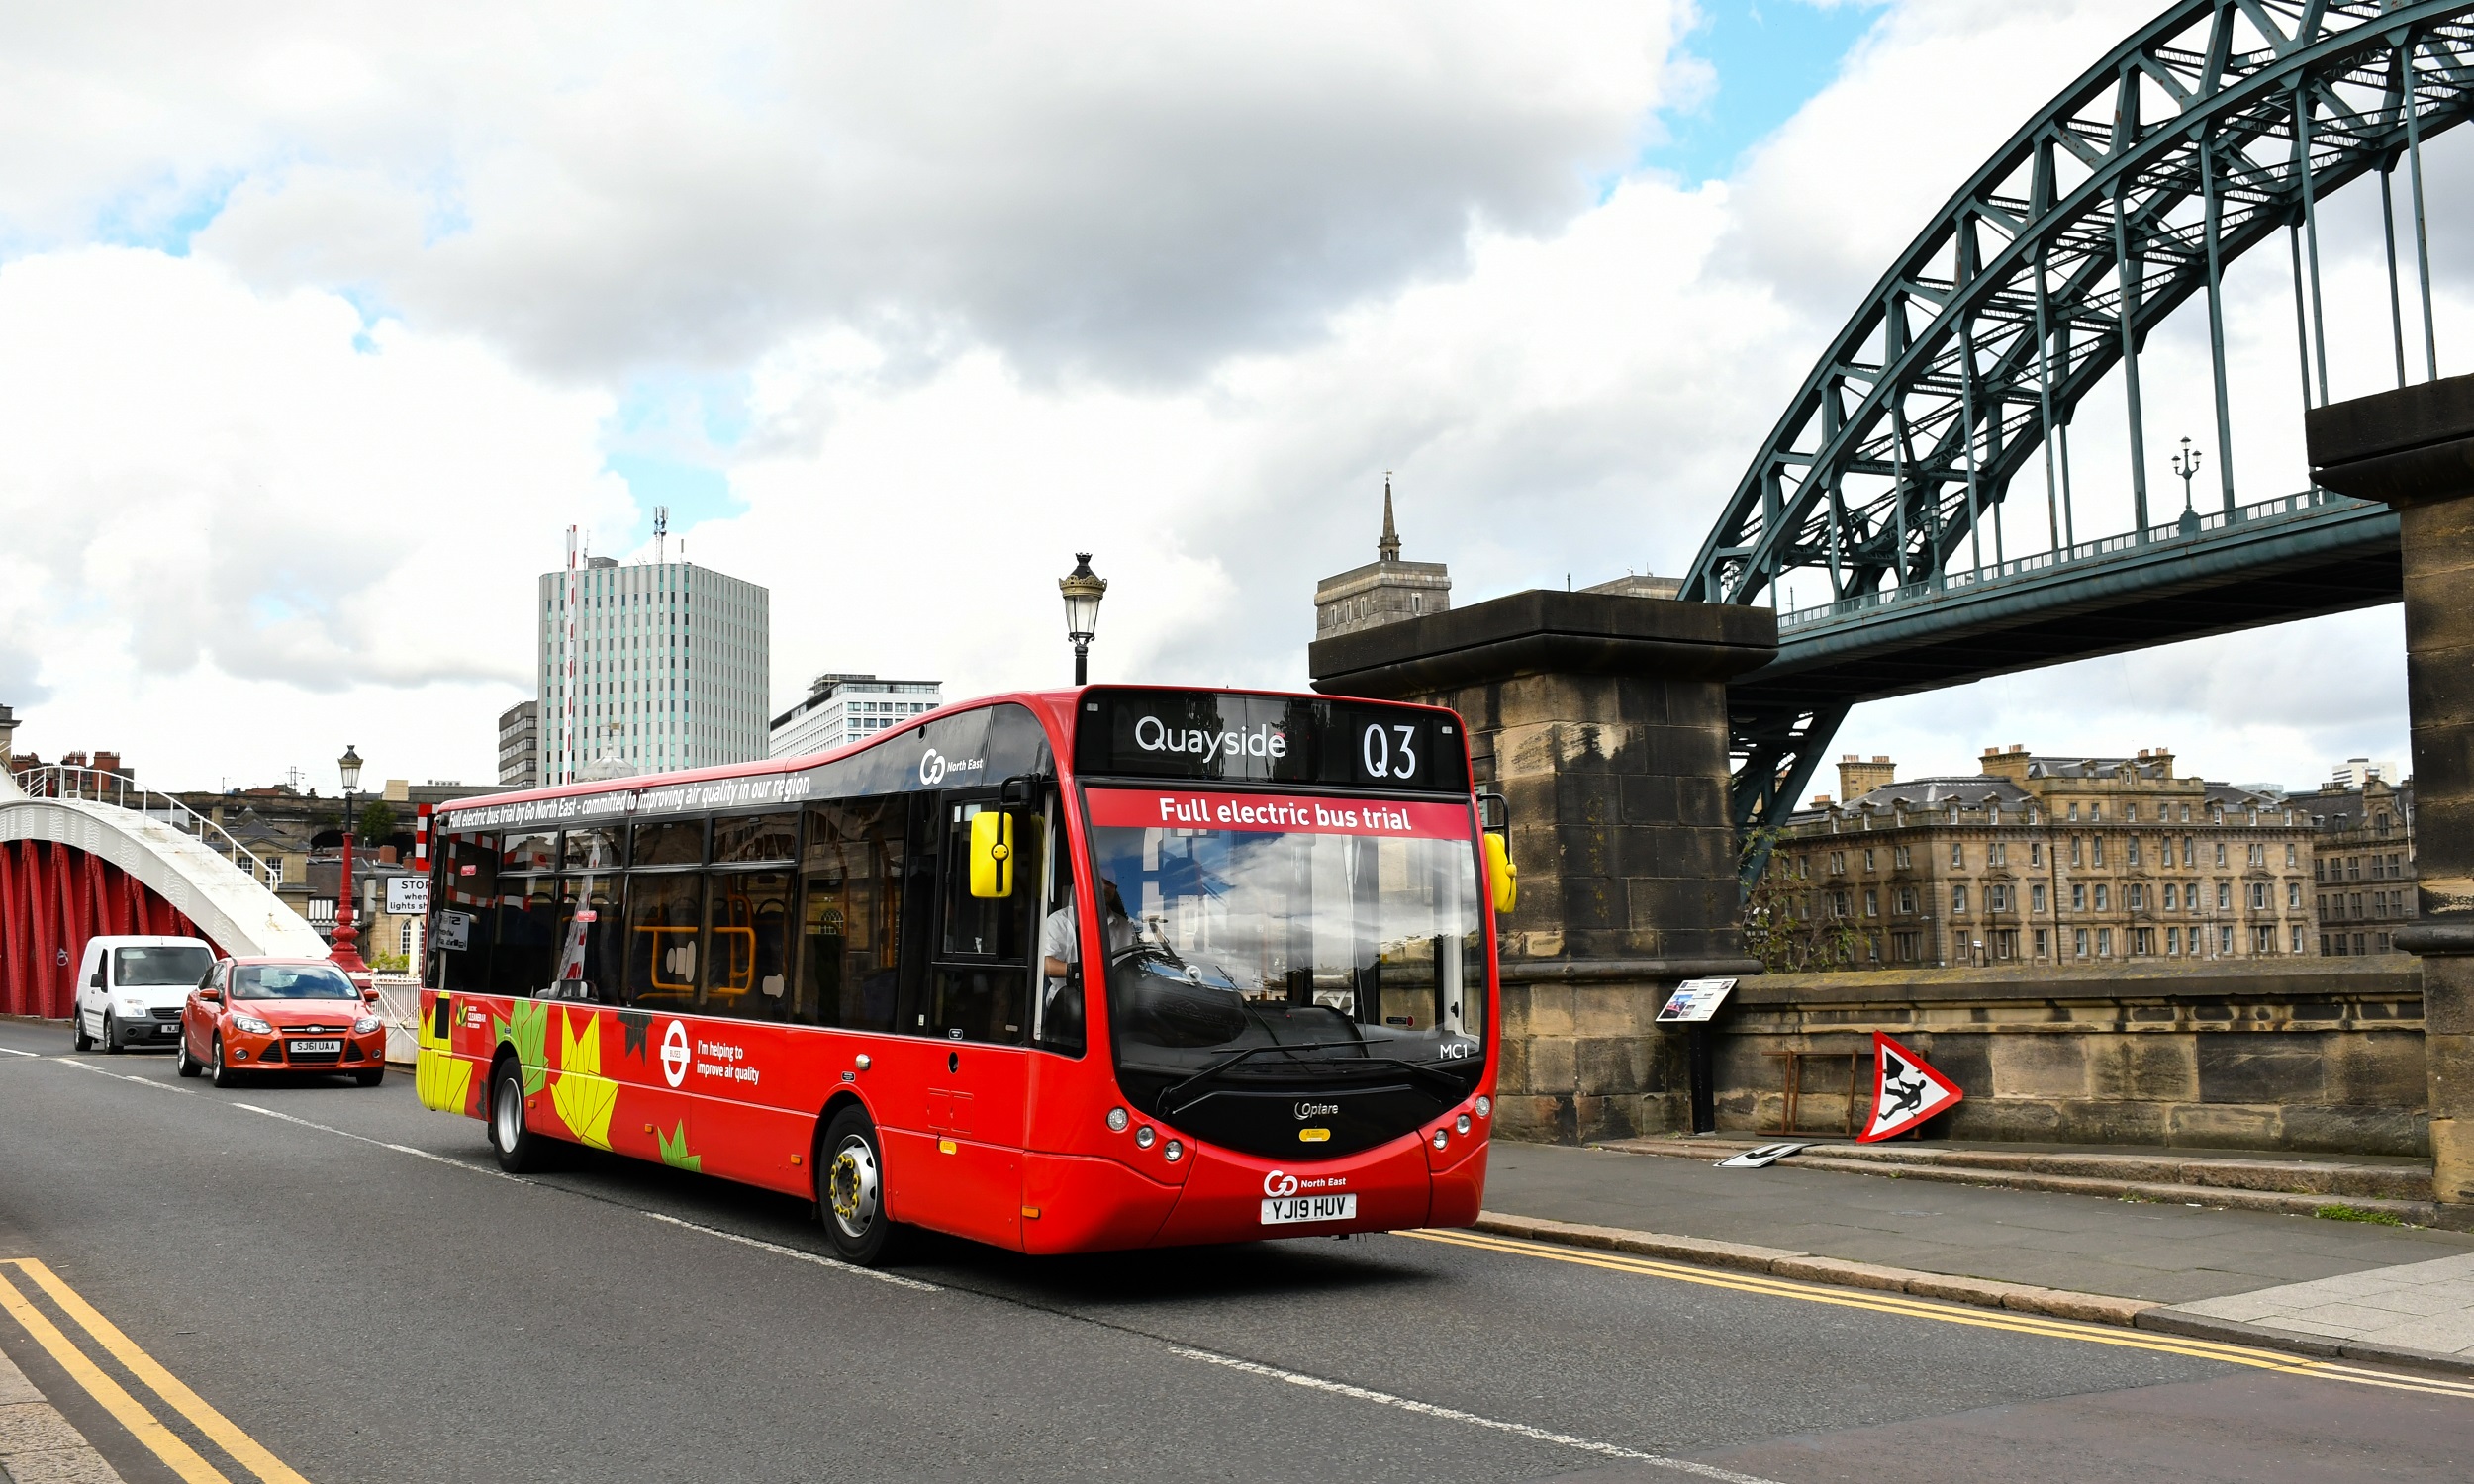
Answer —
291 981
168 964
1306 930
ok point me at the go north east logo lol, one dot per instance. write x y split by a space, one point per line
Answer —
935 766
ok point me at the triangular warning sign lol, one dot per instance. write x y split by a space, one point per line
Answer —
1905 1091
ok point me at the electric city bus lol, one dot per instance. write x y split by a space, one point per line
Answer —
1058 972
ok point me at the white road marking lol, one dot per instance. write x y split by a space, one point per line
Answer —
818 1258
14 1052
401 1149
1454 1413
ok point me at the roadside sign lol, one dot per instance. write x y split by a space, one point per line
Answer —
1905 1090
408 896
1695 1001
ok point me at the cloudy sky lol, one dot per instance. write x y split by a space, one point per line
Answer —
319 324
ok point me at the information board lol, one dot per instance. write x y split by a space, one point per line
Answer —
1695 1001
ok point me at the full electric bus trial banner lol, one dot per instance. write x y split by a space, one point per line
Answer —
1180 809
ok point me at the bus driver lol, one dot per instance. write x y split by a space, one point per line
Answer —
1060 949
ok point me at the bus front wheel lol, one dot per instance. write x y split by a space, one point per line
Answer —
850 1190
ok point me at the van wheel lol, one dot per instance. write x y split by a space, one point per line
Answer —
111 1035
77 1037
518 1149
850 1191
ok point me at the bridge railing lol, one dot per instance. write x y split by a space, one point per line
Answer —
2188 526
93 784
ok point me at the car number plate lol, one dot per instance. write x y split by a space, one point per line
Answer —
1285 1211
167 1030
317 1046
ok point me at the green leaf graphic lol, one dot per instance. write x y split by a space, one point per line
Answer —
529 1030
674 1150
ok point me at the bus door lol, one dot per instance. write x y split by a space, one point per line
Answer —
963 1171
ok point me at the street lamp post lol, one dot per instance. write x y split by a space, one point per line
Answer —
1083 590
2186 466
344 955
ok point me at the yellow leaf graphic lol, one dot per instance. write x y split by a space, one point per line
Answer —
583 1098
441 1080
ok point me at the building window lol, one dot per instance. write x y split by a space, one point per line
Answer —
2142 941
2132 851
2006 943
2224 942
1868 859
2104 943
1907 901
1959 898
1997 899
2035 852
2220 850
2134 898
2293 897
2172 897
2078 897
2225 904
1902 858
2288 857
1873 904
2074 813
2096 851
2383 943
1995 856
2353 868
2258 855
2078 943
2103 899
2035 898
2095 813
2129 814
2173 942
1957 856
2043 946
2258 897
2075 849
1838 863
2297 937
2263 939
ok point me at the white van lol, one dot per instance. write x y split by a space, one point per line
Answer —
130 990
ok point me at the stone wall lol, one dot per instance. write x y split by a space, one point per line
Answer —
2312 1054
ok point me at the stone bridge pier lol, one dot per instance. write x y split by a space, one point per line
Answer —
2414 448
1601 717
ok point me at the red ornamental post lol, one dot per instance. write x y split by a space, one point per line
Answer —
344 955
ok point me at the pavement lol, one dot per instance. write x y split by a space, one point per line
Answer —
335 1282
2280 1278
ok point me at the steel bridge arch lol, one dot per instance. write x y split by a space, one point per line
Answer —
71 868
2048 267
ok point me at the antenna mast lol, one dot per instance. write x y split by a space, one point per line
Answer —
661 531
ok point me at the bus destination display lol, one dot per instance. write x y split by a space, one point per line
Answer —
1272 739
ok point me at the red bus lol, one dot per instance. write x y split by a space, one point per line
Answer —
1058 972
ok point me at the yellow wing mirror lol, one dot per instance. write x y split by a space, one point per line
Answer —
991 853
1502 877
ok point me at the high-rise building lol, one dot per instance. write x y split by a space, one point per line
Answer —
650 668
843 709
1386 590
519 745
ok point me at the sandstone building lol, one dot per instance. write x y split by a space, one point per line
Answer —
1386 590
2052 860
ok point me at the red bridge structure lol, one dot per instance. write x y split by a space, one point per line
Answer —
85 854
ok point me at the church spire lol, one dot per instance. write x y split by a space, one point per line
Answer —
1389 548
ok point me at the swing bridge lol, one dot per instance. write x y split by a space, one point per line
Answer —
2218 128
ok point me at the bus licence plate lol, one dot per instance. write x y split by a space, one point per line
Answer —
317 1046
1295 1208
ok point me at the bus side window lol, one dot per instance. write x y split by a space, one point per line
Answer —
665 941
466 910
977 991
851 914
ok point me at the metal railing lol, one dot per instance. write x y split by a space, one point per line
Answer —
118 789
2185 527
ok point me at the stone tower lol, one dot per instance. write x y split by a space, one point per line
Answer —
1387 590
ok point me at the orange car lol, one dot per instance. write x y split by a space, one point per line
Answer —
281 1015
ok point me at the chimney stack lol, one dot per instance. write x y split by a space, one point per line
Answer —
1858 779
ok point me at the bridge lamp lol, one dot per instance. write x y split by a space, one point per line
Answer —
1083 590
344 955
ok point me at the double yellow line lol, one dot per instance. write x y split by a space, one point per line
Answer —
113 1397
1950 1313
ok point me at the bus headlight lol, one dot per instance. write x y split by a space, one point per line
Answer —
1460 1125
1442 1138
1485 1105
1173 1153
1117 1120
1145 1136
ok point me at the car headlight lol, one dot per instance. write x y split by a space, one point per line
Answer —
253 1025
134 1007
364 1025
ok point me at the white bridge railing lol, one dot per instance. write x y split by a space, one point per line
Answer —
57 781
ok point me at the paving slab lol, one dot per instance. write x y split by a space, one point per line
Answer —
2165 1254
2423 1306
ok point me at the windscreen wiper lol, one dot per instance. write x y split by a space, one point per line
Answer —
1225 1063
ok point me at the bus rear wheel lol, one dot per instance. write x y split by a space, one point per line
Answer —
518 1149
850 1191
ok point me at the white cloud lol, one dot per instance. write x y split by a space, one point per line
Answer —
1173 285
